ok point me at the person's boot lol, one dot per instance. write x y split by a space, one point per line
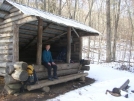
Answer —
55 77
50 78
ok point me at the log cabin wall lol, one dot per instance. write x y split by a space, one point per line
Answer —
9 32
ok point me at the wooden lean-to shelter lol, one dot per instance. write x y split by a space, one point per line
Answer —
24 31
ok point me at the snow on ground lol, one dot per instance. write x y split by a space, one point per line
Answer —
106 78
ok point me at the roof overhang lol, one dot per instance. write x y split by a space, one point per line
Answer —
55 19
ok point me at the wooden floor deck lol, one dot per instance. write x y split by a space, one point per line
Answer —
45 83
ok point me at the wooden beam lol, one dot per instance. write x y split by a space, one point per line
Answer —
4 12
55 30
1 20
68 45
15 43
80 48
14 10
39 41
55 37
44 83
75 32
13 14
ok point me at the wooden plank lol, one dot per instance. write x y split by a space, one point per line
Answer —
123 86
61 66
26 20
4 12
13 14
44 83
6 46
80 50
19 21
8 34
5 64
68 45
1 20
12 19
75 32
44 75
15 43
7 29
6 52
2 70
6 57
55 37
39 42
6 40
14 10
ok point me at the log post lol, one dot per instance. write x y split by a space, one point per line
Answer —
80 50
39 41
69 45
15 43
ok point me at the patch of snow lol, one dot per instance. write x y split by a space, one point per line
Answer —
106 79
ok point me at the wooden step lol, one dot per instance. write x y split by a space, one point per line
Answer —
43 83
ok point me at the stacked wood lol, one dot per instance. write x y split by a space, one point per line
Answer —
15 74
10 69
2 71
20 75
20 72
10 80
20 65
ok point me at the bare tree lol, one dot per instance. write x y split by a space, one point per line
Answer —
132 27
60 5
116 19
108 46
36 3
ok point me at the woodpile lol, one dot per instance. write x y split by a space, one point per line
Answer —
15 74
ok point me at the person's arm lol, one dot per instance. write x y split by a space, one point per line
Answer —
44 57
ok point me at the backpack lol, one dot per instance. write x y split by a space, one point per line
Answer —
32 78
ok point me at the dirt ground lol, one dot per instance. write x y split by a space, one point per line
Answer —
38 95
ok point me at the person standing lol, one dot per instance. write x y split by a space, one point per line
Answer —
49 63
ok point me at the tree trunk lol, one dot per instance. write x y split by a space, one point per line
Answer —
115 30
60 4
132 35
108 46
75 9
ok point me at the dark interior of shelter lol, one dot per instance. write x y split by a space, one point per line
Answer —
53 34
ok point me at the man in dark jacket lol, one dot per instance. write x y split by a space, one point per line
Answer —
49 63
